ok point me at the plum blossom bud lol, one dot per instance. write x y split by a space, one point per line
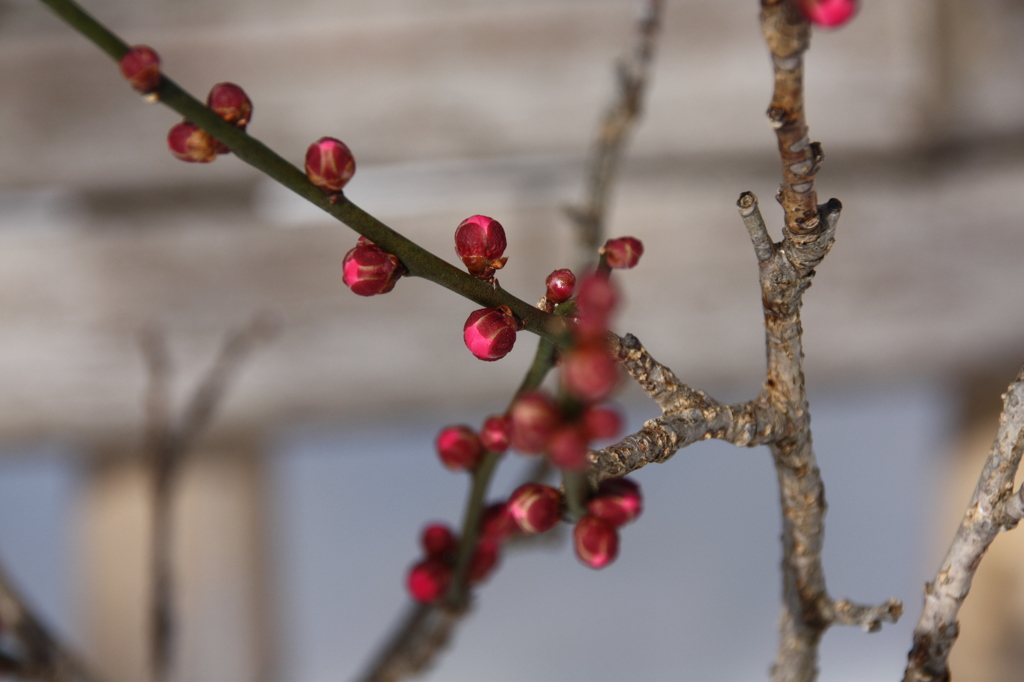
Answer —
589 371
369 270
141 66
438 541
560 284
480 241
189 142
494 434
497 522
459 448
535 507
596 297
428 580
602 423
329 164
829 13
623 253
230 103
596 541
490 333
485 559
533 419
618 501
567 448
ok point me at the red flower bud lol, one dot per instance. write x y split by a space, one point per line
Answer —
494 434
369 270
623 253
459 448
618 501
596 297
829 13
141 66
438 541
533 418
230 103
480 241
497 522
597 541
567 448
189 142
560 285
428 580
535 507
589 371
602 423
329 164
485 559
490 333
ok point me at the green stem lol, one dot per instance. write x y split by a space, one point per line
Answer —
418 261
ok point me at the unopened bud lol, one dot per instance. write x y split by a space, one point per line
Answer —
589 371
533 419
485 559
458 447
141 66
596 541
535 507
602 422
230 103
369 270
623 253
618 501
189 142
829 13
329 164
560 285
494 434
497 522
490 333
428 580
480 241
567 448
438 541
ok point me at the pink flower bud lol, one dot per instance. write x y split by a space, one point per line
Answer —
428 580
438 541
589 371
623 253
490 333
533 419
230 103
494 434
141 66
535 507
480 241
329 164
829 13
567 448
618 501
459 448
189 142
596 297
497 522
560 285
602 423
485 559
369 270
597 541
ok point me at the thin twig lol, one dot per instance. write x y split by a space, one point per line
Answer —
621 116
169 443
994 507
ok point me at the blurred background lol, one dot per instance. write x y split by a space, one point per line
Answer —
300 509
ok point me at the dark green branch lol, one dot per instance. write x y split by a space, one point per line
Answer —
417 260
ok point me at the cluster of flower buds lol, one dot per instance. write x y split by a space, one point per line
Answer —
141 66
189 142
480 243
461 449
330 164
369 269
596 537
539 425
829 13
430 578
